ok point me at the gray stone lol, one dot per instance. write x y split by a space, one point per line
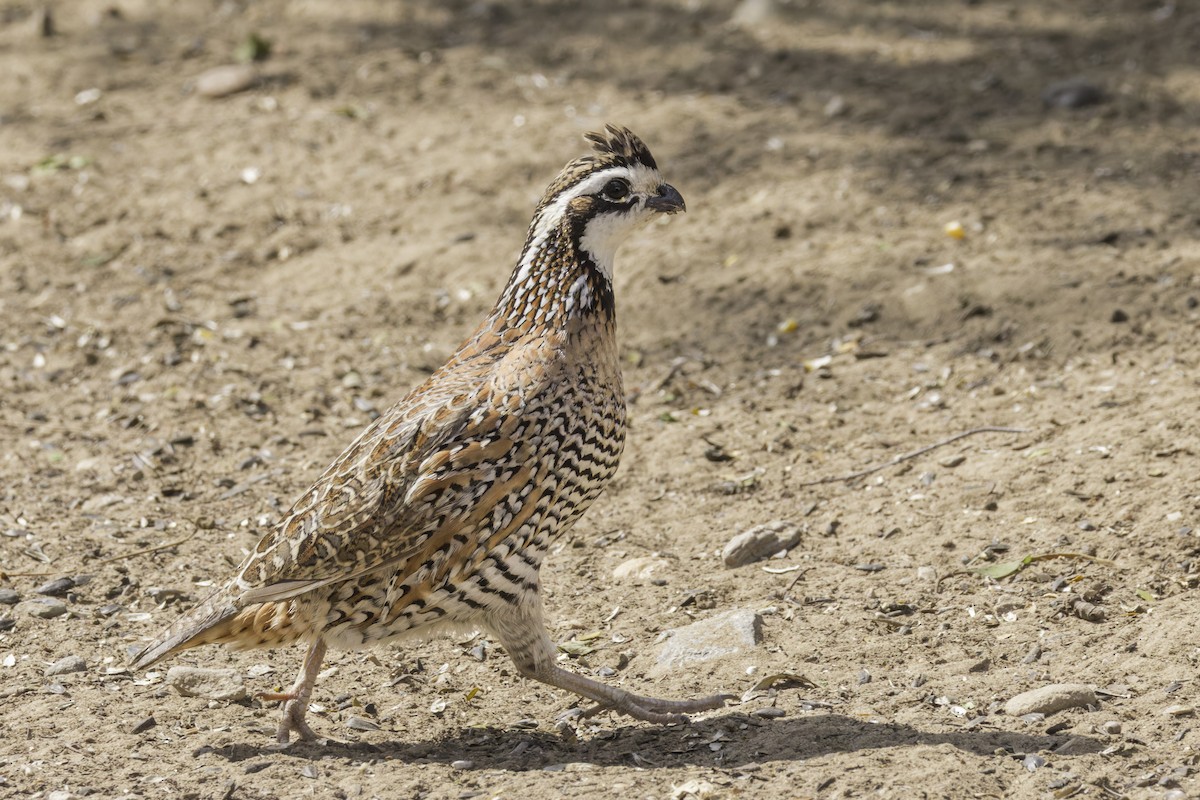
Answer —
716 637
1072 93
9 598
760 542
214 684
66 665
57 587
42 608
1049 699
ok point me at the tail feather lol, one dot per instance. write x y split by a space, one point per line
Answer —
206 623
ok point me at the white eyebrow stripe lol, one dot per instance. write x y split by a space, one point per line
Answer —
639 175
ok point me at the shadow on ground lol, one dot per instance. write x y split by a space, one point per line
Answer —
781 740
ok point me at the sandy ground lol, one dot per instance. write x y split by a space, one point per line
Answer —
203 299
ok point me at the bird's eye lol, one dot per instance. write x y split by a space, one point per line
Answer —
616 189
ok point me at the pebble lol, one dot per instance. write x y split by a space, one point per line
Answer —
725 634
760 542
1112 727
9 598
57 587
1072 93
927 574
462 763
952 461
214 684
835 107
639 569
754 14
7 624
1049 699
769 713
66 666
42 608
1033 761
144 725
226 80
1086 525
60 794
360 724
1178 710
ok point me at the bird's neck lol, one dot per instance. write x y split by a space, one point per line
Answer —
557 285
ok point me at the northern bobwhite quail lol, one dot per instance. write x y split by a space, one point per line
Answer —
439 514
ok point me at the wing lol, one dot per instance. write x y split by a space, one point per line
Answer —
423 481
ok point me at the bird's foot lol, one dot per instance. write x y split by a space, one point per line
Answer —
294 710
293 720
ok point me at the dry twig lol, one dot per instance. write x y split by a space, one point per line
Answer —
196 528
862 473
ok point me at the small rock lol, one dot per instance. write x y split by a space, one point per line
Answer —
1112 727
144 725
1119 315
1086 525
770 712
725 634
1033 762
60 794
57 587
100 501
639 569
754 14
7 624
1072 93
9 598
42 608
760 542
836 106
226 80
360 724
66 666
214 684
1178 710
952 461
462 763
694 789
1049 699
927 574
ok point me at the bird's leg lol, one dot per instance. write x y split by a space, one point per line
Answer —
295 700
650 709
525 640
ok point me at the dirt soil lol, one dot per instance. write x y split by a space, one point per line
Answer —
202 300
